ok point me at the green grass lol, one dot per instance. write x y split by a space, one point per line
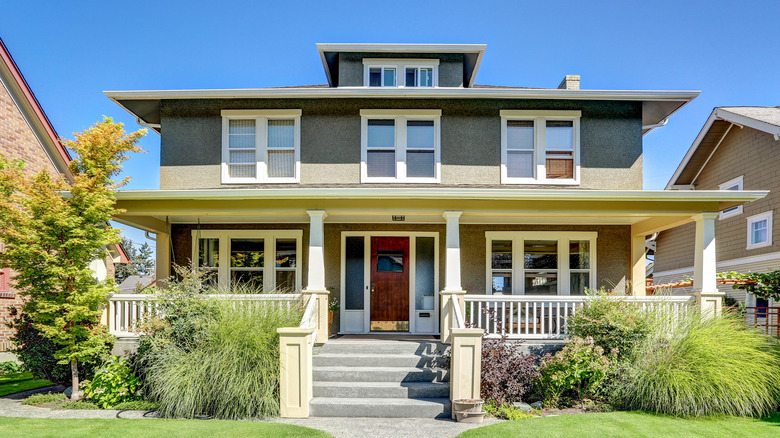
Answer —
13 383
113 428
632 424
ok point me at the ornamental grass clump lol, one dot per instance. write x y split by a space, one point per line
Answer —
703 366
233 373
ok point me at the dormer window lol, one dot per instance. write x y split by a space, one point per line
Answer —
401 72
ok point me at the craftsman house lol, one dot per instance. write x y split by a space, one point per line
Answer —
737 149
416 198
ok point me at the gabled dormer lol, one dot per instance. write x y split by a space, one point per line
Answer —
401 65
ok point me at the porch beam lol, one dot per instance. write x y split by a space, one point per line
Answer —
146 223
658 224
316 268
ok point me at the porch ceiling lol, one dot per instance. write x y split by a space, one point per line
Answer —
150 209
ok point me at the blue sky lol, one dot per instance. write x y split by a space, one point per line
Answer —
70 52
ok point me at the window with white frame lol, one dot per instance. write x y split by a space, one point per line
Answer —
759 230
261 146
260 259
734 184
400 146
400 72
540 262
540 147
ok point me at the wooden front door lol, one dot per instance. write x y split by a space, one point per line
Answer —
389 284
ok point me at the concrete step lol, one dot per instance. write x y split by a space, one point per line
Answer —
382 389
372 360
379 374
380 407
335 346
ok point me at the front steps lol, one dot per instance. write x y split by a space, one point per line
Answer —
384 377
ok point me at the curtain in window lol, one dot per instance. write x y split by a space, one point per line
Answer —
380 164
281 164
520 148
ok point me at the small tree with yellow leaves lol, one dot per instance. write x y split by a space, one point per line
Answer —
54 228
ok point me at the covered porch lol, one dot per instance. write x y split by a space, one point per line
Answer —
391 255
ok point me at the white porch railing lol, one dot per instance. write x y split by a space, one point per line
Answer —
546 317
125 311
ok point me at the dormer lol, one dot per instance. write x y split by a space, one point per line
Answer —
401 65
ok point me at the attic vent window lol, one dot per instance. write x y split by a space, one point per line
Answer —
409 73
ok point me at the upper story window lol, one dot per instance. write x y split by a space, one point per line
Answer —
400 146
759 230
540 147
261 146
734 184
400 72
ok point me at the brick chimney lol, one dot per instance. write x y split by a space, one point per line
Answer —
570 82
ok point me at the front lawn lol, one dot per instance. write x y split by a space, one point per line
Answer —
631 424
18 382
105 428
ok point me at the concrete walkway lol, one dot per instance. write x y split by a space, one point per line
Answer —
11 406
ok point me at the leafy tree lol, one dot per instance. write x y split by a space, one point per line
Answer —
141 260
54 228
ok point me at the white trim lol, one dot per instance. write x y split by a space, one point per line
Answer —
269 238
447 193
757 218
400 118
401 48
563 269
260 148
724 264
412 235
737 182
400 65
540 157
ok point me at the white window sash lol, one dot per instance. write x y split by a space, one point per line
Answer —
737 183
563 238
400 66
756 219
261 118
269 247
540 119
400 118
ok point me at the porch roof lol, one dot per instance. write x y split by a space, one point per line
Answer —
646 210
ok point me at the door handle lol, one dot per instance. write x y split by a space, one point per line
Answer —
373 288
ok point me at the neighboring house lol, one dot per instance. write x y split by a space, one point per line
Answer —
737 149
134 283
401 178
26 134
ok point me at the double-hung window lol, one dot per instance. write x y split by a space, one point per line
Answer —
734 184
759 230
540 147
261 146
258 259
540 262
385 72
400 146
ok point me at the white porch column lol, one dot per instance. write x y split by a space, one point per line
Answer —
162 269
639 268
316 268
452 258
705 285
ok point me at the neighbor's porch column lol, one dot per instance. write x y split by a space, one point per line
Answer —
162 269
705 285
315 287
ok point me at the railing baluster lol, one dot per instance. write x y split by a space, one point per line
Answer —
511 316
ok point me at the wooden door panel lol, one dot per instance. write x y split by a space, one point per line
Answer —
390 283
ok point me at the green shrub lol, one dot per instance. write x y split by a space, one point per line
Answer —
9 367
114 383
137 405
505 411
78 405
39 399
36 352
613 323
575 372
707 366
232 373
